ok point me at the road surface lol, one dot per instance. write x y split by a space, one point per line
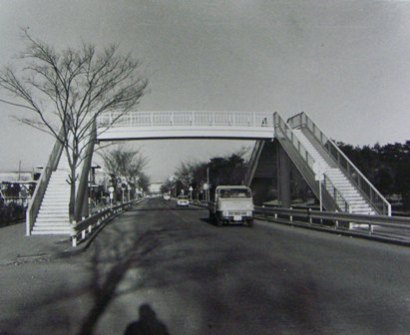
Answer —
169 267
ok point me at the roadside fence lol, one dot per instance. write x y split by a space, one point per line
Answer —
391 228
83 229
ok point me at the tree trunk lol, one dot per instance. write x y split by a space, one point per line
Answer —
72 204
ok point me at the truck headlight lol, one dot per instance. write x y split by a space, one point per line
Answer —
249 213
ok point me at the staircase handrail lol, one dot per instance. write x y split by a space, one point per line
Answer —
252 162
281 125
41 186
373 195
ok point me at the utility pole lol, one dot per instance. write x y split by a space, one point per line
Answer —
208 198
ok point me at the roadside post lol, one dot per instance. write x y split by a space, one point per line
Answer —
190 193
111 191
319 171
205 187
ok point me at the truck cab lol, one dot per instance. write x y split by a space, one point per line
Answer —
232 204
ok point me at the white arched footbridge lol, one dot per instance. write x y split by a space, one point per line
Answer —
279 143
182 124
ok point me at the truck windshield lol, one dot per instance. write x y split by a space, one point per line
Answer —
235 193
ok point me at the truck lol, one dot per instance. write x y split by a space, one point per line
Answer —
231 204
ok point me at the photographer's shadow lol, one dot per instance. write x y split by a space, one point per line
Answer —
147 324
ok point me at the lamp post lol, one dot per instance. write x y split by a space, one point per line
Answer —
190 193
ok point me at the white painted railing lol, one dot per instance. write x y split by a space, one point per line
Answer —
186 118
82 230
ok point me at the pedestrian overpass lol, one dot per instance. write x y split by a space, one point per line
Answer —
279 145
185 125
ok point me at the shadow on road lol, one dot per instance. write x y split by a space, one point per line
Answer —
147 324
208 221
162 209
113 255
73 304
236 286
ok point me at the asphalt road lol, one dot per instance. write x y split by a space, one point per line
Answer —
168 267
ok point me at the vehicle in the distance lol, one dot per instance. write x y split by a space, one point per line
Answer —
166 196
183 200
231 204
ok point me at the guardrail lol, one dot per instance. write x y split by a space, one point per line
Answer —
82 230
22 201
377 200
185 118
393 227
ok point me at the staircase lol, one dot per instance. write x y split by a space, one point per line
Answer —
300 156
357 203
53 216
362 197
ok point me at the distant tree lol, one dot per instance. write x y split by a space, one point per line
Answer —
222 170
125 164
68 90
143 182
227 170
185 174
387 167
167 186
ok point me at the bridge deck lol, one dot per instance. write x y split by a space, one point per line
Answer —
156 125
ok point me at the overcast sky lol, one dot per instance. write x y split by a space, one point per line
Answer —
345 63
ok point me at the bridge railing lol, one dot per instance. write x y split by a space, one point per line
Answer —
376 199
283 131
186 118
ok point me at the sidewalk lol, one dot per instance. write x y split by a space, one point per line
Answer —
15 245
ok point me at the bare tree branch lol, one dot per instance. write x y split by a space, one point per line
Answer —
72 87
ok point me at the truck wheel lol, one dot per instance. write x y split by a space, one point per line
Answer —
211 217
250 223
218 222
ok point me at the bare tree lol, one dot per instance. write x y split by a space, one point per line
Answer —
127 164
65 91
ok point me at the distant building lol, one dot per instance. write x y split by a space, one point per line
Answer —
17 187
15 176
155 188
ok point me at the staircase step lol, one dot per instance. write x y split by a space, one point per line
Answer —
55 206
52 216
51 221
57 197
51 232
58 224
55 217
